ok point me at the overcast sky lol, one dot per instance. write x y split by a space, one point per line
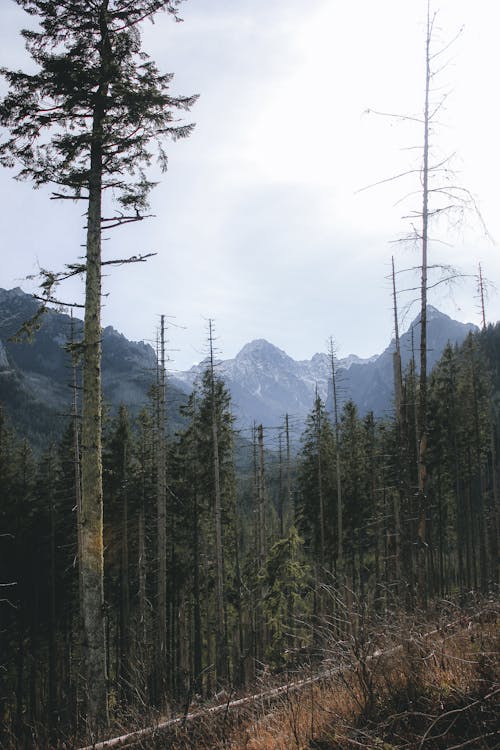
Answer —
259 223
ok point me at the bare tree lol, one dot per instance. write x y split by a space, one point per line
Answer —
340 530
441 197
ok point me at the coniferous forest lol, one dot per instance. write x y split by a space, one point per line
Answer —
147 566
250 555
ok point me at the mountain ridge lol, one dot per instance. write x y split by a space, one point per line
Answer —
35 376
264 381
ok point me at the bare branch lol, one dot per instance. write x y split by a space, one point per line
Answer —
132 259
51 300
391 114
461 710
62 197
448 45
388 179
119 221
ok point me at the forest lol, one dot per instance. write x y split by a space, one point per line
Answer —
147 568
242 562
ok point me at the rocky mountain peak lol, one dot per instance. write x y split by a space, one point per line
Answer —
264 381
261 349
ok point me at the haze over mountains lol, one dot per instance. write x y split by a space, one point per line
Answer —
35 376
265 383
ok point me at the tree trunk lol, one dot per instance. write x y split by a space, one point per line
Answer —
125 682
400 432
91 557
422 407
52 681
222 665
340 530
197 623
262 539
161 526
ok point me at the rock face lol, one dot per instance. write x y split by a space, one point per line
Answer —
372 389
35 376
266 383
4 360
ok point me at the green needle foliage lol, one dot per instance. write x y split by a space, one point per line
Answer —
91 119
94 82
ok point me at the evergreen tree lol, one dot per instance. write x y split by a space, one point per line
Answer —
445 465
286 606
355 488
316 517
84 122
203 480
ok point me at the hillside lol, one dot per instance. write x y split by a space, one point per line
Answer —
266 383
35 375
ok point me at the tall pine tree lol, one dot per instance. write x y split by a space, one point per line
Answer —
85 122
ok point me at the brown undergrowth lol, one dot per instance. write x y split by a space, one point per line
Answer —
435 692
431 684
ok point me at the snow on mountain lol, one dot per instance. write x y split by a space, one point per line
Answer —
266 383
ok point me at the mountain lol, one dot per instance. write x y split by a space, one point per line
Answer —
35 376
266 383
372 389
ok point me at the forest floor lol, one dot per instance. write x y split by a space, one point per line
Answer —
439 691
434 685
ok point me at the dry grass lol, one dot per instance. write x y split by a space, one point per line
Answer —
395 691
439 692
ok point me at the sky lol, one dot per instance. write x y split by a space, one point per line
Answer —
262 222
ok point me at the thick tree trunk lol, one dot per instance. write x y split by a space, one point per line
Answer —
92 562
92 557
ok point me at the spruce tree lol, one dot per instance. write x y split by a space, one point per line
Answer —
317 485
286 578
85 122
208 478
354 486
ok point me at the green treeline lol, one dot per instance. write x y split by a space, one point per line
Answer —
253 540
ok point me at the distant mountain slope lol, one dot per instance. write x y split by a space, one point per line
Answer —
35 377
266 383
372 388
